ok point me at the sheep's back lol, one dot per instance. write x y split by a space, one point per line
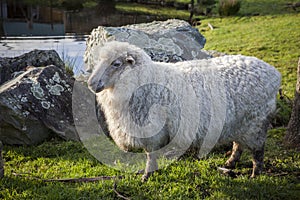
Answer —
250 86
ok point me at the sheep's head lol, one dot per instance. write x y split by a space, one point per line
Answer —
115 58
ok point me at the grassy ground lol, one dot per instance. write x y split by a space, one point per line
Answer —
274 37
185 179
152 10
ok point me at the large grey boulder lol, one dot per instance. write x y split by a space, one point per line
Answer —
11 67
165 41
37 104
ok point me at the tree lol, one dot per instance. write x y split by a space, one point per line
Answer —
292 137
205 7
191 8
106 7
201 7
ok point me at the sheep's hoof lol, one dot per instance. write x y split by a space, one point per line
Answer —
146 176
142 171
227 172
256 172
229 164
254 175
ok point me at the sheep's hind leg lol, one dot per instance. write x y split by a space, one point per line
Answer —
258 151
258 161
235 156
151 166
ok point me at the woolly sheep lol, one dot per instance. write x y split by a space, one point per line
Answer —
191 105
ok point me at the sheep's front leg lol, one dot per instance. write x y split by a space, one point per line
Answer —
151 165
235 156
258 161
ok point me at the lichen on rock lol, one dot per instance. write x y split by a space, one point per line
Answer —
10 68
37 91
55 89
37 103
45 104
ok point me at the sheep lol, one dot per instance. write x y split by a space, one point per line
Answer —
199 104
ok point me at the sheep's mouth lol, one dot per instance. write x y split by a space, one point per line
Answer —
99 87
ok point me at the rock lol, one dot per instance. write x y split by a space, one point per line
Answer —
87 115
165 41
1 162
12 67
37 104
36 99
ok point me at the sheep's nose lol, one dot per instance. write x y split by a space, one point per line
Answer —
95 86
100 87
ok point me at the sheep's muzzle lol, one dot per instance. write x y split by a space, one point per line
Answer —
99 87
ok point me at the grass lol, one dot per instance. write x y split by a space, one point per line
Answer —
163 12
185 179
274 39
265 7
272 36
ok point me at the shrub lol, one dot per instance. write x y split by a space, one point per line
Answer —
229 7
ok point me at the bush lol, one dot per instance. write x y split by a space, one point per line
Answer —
229 7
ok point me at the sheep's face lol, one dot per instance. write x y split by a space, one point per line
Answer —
107 73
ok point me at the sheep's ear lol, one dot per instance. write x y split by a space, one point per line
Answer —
130 60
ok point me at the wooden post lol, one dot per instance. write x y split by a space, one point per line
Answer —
292 137
51 14
192 7
1 162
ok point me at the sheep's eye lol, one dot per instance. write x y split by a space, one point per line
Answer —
116 63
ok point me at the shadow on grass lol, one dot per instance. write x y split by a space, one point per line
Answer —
12 187
55 148
262 187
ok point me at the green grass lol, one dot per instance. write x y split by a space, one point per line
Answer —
163 12
265 7
274 37
185 179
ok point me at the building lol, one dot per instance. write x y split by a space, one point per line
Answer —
19 19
